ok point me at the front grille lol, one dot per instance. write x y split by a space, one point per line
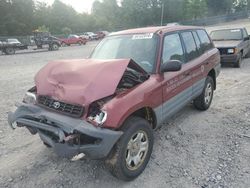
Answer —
223 51
58 106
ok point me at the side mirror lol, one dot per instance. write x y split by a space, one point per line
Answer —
246 38
171 66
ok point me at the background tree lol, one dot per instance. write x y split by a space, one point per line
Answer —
66 31
196 9
43 28
218 7
21 17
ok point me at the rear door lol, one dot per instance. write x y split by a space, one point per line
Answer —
206 60
177 86
196 61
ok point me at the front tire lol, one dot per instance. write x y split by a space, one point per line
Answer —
204 101
131 154
10 51
54 47
238 63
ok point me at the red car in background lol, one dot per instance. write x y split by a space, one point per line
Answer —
73 39
102 34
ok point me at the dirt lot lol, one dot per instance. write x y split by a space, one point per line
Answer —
234 24
193 149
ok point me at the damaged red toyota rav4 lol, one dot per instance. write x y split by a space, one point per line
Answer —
107 106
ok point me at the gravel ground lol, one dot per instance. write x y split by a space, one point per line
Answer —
193 149
234 24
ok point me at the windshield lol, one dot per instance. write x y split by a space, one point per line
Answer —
140 47
230 34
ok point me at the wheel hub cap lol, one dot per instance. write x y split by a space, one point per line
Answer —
137 149
208 93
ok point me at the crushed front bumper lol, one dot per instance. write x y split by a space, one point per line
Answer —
55 129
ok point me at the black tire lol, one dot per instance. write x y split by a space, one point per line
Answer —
116 161
238 63
80 43
248 54
10 51
201 102
54 47
47 145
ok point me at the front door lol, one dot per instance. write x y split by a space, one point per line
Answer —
177 86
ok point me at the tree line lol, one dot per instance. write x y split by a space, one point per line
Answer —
21 17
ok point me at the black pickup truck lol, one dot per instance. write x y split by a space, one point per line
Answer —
233 44
10 48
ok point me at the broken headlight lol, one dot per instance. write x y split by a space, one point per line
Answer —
29 98
99 118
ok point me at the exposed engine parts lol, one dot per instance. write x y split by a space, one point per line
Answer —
131 78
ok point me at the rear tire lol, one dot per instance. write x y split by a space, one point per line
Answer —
132 152
204 101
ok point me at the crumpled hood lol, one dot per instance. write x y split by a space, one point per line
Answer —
80 81
227 43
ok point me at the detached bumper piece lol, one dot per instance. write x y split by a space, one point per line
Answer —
66 135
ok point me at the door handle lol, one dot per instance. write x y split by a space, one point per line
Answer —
187 74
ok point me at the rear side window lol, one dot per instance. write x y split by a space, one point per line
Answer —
172 49
198 42
191 50
205 41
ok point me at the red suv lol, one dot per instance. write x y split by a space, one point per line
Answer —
107 106
73 39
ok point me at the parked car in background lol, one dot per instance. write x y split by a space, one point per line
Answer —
85 36
13 41
173 24
91 35
102 34
106 107
11 46
73 39
46 40
233 44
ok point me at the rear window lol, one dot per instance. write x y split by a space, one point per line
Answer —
191 50
226 34
205 41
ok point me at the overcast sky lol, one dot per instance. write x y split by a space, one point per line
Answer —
78 5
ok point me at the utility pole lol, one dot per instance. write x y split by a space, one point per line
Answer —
162 13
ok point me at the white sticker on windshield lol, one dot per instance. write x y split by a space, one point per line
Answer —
235 30
143 36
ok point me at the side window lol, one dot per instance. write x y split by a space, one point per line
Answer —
198 42
244 33
191 50
205 41
172 48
